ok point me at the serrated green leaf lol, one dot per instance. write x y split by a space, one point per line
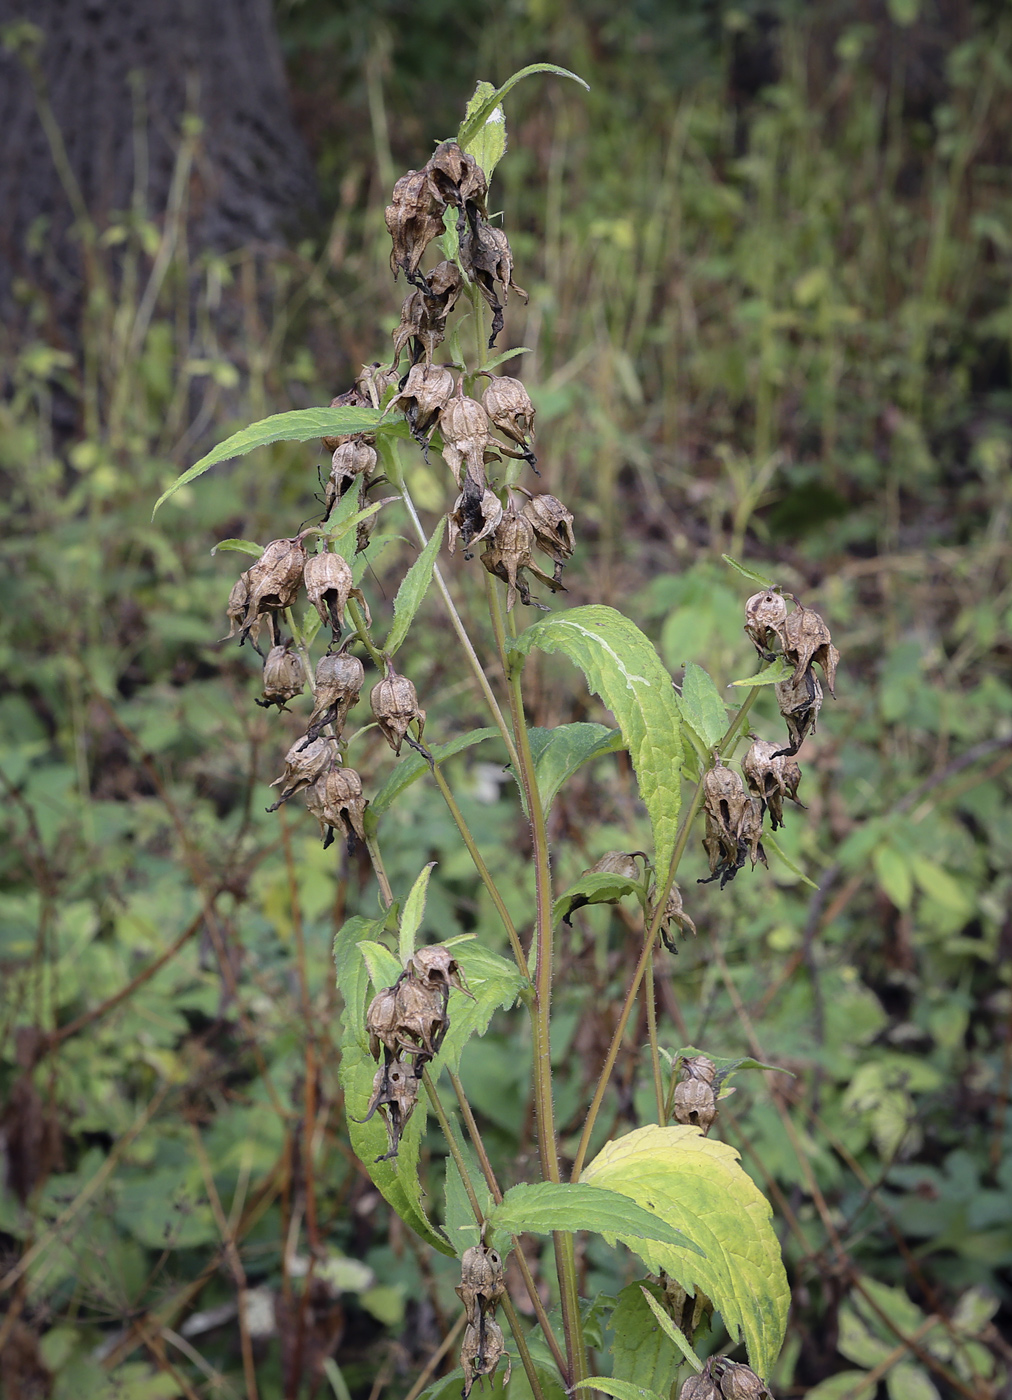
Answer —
411 768
622 667
458 1219
749 572
595 888
240 547
693 1182
495 984
411 919
475 120
778 670
558 753
543 1207
338 527
488 144
413 589
619 1389
641 1351
671 1330
770 840
353 975
701 705
505 355
384 969
299 425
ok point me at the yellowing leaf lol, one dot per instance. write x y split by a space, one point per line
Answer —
698 1186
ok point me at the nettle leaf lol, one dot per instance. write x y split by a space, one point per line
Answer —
488 145
595 888
299 425
411 919
670 1329
413 589
458 1217
778 670
641 1351
397 1181
494 982
240 547
622 667
411 768
558 753
478 113
619 1389
545 1206
693 1182
751 574
701 705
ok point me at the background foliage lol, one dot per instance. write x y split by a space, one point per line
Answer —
770 270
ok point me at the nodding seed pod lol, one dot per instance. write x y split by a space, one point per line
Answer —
481 1351
336 801
673 914
553 527
617 863
509 552
750 830
374 383
737 1381
304 765
351 461
273 581
701 1387
474 517
414 217
807 642
486 257
699 1067
424 312
238 605
695 1103
422 1021
284 676
456 178
509 406
394 706
466 432
435 967
426 392
339 681
765 614
482 1282
381 1023
732 825
771 777
800 700
329 584
394 1093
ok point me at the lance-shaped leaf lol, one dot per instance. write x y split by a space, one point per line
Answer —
620 1389
494 983
698 1184
411 919
673 1332
413 589
488 144
594 888
641 1352
299 425
622 667
479 111
411 768
748 572
240 547
779 670
543 1207
558 753
701 705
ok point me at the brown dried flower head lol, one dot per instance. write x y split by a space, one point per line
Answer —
807 642
337 803
509 552
700 1387
426 391
617 863
482 1282
771 777
394 706
436 967
464 426
456 179
381 1023
414 217
329 584
284 676
273 581
481 1351
394 1093
474 517
699 1067
487 258
737 1381
304 765
800 700
238 606
695 1103
509 406
673 914
765 613
553 527
750 830
730 834
421 1021
353 459
339 680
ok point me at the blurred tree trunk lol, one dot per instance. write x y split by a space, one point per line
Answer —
114 80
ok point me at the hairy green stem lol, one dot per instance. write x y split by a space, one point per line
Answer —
651 938
655 1055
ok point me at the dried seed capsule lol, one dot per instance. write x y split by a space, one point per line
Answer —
482 1282
509 406
456 178
764 620
339 680
381 1023
553 527
699 1067
394 1093
284 676
305 764
673 914
426 391
436 967
807 642
481 1351
329 584
510 552
617 863
336 801
465 428
725 805
771 777
351 461
424 312
414 217
695 1103
394 705
800 700
238 605
486 257
351 398
274 579
737 1381
422 1021
700 1387
750 830
474 517
375 382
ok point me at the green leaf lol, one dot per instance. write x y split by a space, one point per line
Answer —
641 1352
362 562
621 1390
495 983
698 1184
845 1385
621 665
413 589
748 572
475 119
594 888
770 840
411 919
701 705
725 1067
488 145
893 872
505 355
299 425
778 670
384 969
353 975
673 1332
411 768
458 1218
545 1206
240 546
337 528
558 753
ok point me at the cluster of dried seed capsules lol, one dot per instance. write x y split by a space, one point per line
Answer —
513 524
733 809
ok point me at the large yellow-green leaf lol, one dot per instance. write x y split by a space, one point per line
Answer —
698 1186
621 665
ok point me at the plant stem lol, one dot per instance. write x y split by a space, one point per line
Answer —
363 634
544 1110
651 937
655 1057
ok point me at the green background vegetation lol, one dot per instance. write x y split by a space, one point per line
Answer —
770 267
